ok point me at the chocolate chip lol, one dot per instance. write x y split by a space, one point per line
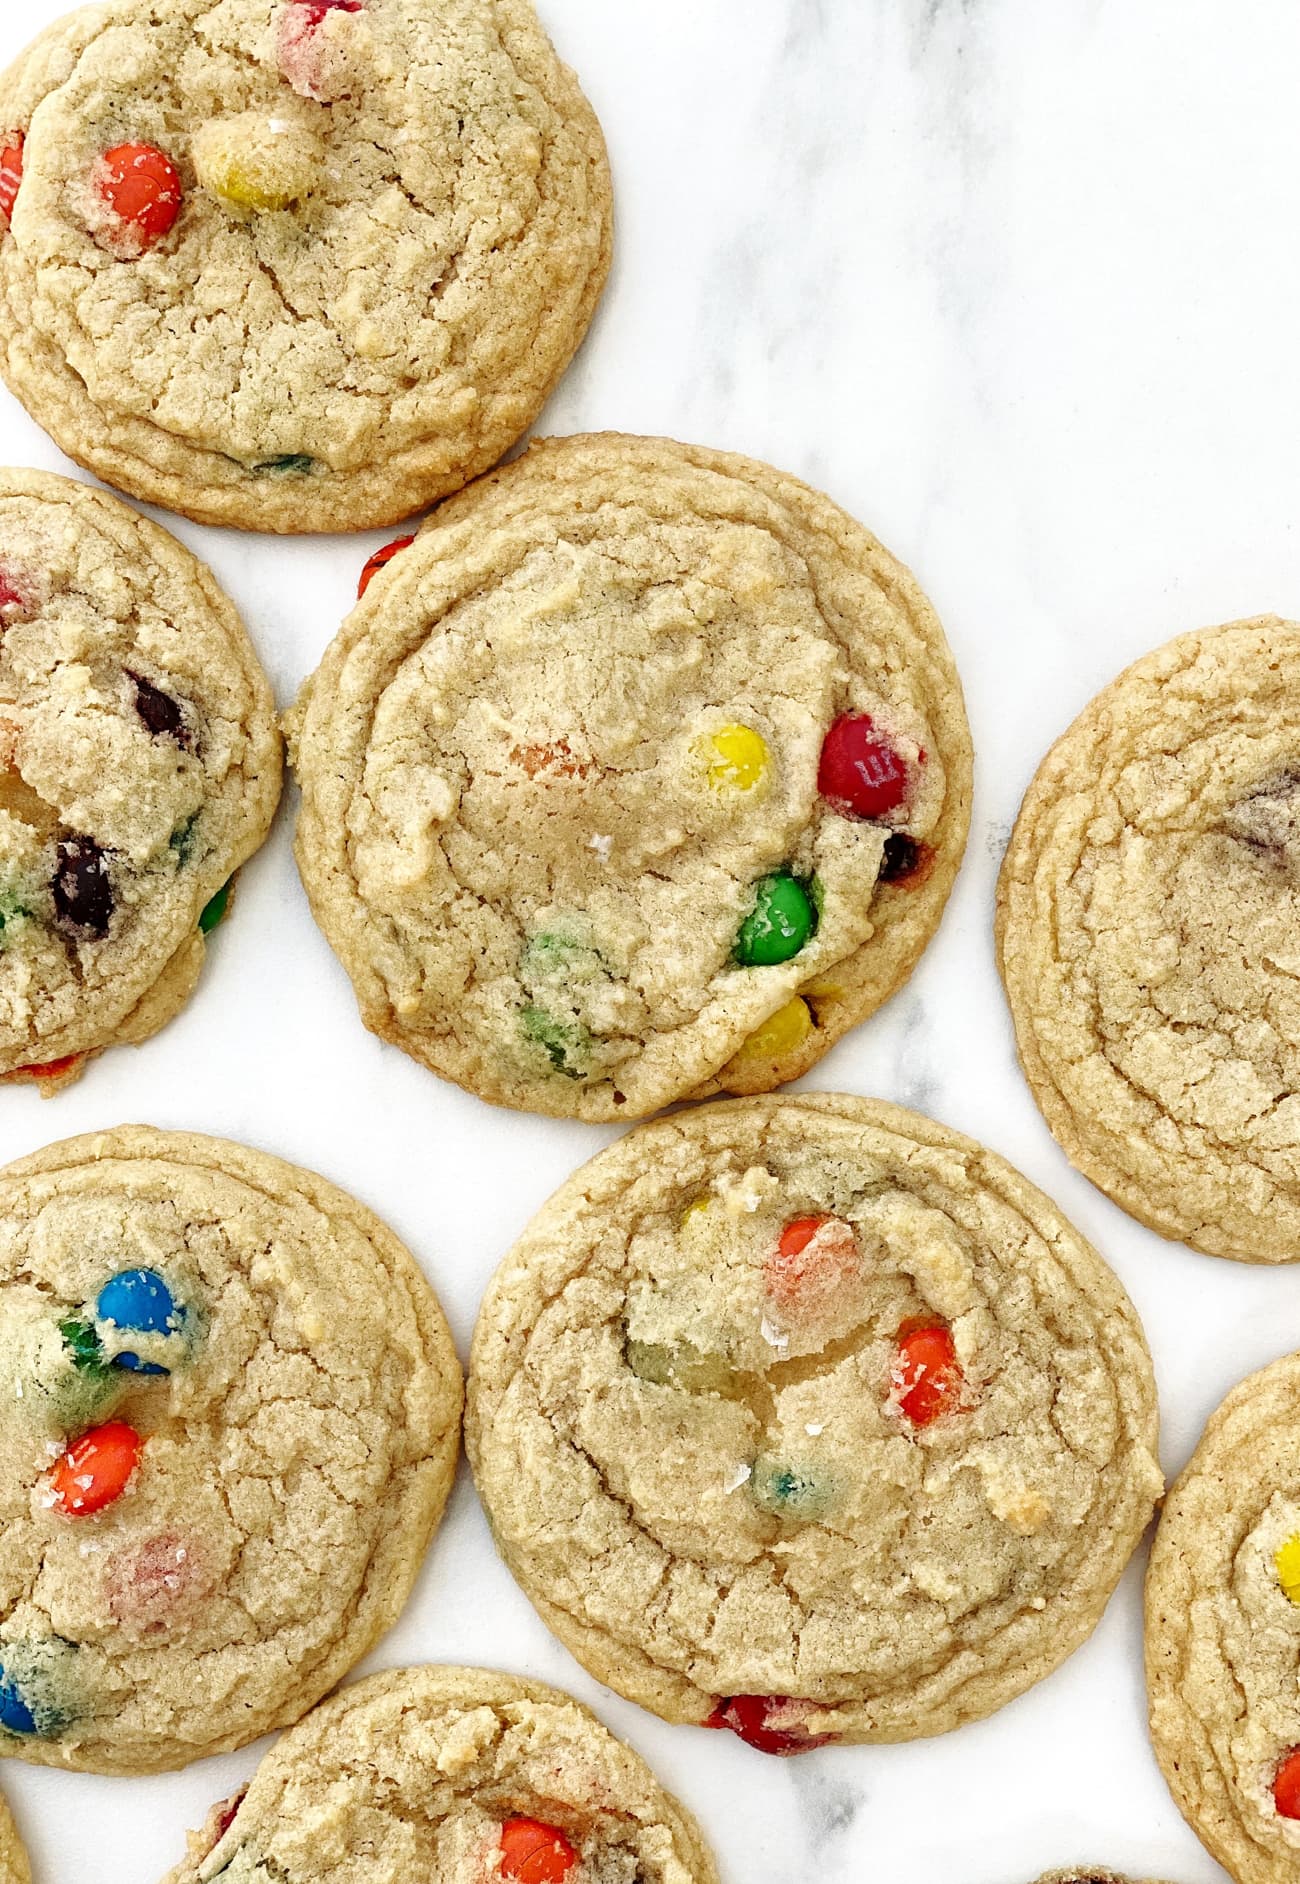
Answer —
83 894
901 858
159 711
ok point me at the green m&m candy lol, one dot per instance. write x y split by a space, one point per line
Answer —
782 921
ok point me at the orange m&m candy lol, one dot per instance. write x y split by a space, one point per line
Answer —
11 172
1286 1786
142 186
927 1378
535 1853
97 1469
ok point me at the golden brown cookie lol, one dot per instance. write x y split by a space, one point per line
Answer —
1149 936
295 264
1223 1631
232 1421
812 1419
450 1773
14 1868
139 767
643 773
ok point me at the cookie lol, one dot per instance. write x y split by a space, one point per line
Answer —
1148 914
139 767
811 1419
233 1423
1223 1631
643 773
295 264
14 1868
1088 1875
450 1773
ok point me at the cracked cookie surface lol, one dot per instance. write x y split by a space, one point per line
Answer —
295 264
139 767
14 1868
1223 1631
643 772
1148 916
454 1776
811 1419
232 1423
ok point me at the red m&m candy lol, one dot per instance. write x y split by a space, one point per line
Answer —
378 561
11 173
927 1378
97 1469
535 1853
142 186
1286 1786
861 773
767 1722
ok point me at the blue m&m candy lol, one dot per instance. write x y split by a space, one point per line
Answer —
138 1301
15 1715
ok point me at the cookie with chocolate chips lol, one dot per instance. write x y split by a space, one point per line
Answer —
450 1773
810 1419
1149 937
641 773
139 767
295 264
232 1418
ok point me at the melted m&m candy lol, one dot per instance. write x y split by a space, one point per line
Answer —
769 1723
16 1716
926 1379
95 1471
1287 1564
794 1493
380 560
11 173
1286 1785
861 773
815 1257
138 1301
535 1853
781 923
738 758
142 187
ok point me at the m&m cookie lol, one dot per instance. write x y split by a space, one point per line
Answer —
451 1773
139 767
641 773
14 1868
295 264
1148 925
1223 1631
232 1415
810 1420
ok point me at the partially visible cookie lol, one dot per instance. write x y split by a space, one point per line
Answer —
14 1868
295 264
1088 1875
811 1419
643 773
1149 936
232 1421
139 767
450 1773
1223 1631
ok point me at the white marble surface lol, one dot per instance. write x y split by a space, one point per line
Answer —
1018 283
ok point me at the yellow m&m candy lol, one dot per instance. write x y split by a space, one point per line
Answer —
1287 1565
783 1033
738 759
